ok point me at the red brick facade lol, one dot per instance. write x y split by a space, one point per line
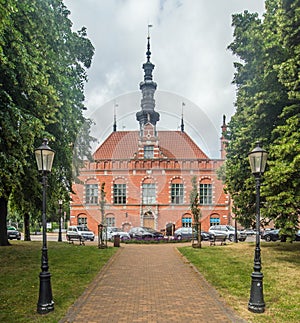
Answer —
176 160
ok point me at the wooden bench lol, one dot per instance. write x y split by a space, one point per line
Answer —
213 239
79 238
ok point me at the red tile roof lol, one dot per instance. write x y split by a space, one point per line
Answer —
172 144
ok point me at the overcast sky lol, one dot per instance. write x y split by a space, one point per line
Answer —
192 65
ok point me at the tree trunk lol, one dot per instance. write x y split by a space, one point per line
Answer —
3 219
27 227
198 230
199 234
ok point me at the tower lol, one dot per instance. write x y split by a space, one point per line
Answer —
148 87
224 141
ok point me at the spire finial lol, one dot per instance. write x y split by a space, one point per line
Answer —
182 124
115 117
149 26
148 45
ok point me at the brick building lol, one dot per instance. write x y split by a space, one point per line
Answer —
146 176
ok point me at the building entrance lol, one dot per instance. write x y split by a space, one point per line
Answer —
148 220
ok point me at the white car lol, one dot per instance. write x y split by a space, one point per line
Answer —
113 231
77 231
229 231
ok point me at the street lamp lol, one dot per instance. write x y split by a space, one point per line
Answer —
44 157
258 159
60 202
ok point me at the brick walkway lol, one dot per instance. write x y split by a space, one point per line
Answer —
149 283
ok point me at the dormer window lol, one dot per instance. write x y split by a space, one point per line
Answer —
148 152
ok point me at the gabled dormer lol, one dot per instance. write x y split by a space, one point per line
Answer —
148 145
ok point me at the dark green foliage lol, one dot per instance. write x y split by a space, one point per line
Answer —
42 76
267 109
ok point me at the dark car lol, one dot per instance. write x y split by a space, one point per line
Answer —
13 233
274 235
144 233
271 235
205 236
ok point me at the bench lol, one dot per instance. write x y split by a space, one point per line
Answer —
213 239
79 238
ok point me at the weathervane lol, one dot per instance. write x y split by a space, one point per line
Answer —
149 26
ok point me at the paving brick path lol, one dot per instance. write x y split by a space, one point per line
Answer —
149 283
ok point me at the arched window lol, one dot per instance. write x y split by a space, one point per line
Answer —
91 192
119 194
214 219
148 192
177 191
110 220
82 219
186 220
205 190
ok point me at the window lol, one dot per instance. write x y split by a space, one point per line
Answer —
148 152
187 222
91 193
177 193
205 194
119 193
82 221
148 192
214 220
110 221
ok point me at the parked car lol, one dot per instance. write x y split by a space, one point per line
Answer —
77 231
270 235
13 233
188 233
274 235
113 231
249 232
145 233
205 236
185 233
229 231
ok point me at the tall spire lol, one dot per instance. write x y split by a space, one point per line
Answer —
182 124
148 87
115 117
223 139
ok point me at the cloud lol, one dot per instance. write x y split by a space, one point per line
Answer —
188 44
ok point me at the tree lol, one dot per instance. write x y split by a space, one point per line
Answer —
267 81
42 74
195 209
283 190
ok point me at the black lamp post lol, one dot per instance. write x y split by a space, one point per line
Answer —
60 202
258 159
44 157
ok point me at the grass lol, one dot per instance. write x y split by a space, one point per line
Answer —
72 268
228 268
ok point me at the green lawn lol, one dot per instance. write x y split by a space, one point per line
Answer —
72 268
228 268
